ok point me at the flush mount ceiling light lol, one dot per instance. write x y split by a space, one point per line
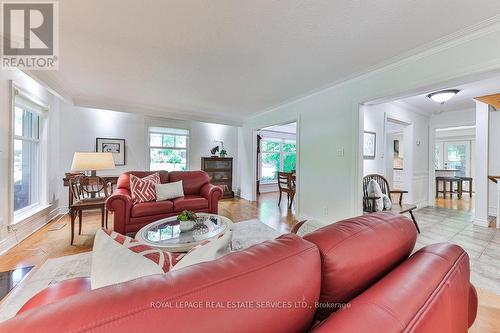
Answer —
443 96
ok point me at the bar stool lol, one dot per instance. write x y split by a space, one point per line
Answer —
451 181
469 180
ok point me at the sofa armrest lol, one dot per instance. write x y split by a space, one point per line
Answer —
429 292
57 292
120 203
212 193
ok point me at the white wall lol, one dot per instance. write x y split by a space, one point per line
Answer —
415 171
329 184
81 126
454 118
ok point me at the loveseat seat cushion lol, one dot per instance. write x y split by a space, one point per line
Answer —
152 208
358 252
190 202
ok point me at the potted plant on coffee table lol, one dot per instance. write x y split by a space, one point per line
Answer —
186 220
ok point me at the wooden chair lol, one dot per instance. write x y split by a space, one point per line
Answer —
399 208
286 183
88 193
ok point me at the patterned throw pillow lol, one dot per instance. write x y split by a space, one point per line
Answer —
207 250
117 258
166 260
143 189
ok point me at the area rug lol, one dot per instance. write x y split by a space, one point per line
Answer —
245 234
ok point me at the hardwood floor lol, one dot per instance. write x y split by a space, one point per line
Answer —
465 204
53 241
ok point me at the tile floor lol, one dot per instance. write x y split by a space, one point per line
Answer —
482 244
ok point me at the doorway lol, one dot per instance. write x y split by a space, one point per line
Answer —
397 136
454 157
276 153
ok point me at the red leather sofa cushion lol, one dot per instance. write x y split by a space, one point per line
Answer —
57 292
357 252
190 202
429 292
152 208
124 179
254 290
192 181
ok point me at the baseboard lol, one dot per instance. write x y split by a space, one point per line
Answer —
57 212
481 222
246 196
422 204
8 242
492 211
20 231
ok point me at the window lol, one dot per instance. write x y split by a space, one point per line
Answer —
277 155
168 149
26 157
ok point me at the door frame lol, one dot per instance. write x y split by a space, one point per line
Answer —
432 144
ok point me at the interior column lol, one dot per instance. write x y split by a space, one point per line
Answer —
481 177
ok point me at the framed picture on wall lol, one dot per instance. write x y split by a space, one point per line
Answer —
114 146
369 145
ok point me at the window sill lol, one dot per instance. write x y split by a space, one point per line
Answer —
26 215
268 182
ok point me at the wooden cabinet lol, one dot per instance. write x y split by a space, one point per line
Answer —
220 170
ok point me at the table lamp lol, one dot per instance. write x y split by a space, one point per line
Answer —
89 161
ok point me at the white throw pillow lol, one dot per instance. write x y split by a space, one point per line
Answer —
207 251
387 202
374 190
169 191
117 258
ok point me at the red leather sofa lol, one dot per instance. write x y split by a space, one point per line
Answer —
199 196
353 276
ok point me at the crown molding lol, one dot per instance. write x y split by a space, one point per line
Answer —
49 82
462 36
156 111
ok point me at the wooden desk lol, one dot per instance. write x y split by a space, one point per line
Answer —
108 179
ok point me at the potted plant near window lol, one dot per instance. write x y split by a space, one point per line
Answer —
186 220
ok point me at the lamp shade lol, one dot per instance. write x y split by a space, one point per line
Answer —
92 161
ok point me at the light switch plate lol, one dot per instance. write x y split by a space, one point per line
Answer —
340 152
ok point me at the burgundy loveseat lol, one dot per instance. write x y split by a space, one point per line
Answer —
353 276
199 196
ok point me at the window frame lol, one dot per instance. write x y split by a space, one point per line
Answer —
168 131
281 152
23 100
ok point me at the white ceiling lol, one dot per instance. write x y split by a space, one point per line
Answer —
462 101
233 58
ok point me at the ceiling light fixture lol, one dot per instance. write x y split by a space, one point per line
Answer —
443 96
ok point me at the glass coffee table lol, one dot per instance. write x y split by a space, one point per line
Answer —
166 234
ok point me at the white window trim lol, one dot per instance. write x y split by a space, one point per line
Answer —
149 147
41 109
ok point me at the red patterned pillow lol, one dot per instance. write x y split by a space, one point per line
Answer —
166 260
143 189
